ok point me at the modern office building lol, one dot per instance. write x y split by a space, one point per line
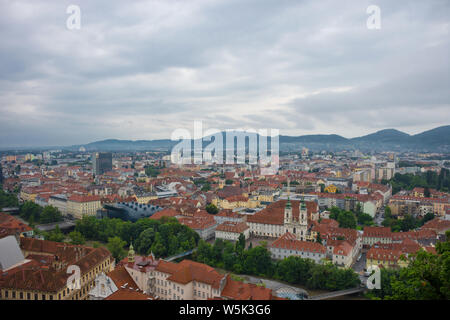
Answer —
101 162
128 211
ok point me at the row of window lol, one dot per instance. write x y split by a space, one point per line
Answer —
28 296
201 294
35 296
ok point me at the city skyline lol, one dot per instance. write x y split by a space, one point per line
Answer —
394 135
139 71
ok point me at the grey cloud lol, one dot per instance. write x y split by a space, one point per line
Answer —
141 69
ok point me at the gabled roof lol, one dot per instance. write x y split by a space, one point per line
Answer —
168 212
187 271
289 241
274 212
229 226
237 290
121 277
129 294
377 232
343 249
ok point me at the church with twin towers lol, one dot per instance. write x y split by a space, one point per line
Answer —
298 224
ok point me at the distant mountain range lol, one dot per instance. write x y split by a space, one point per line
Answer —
435 140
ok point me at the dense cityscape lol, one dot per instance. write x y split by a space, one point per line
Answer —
224 158
143 228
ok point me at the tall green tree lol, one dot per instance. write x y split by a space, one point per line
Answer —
8 199
76 238
116 247
55 235
347 219
426 278
50 214
144 242
30 211
212 209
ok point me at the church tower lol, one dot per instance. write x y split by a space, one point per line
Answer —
303 214
131 253
288 207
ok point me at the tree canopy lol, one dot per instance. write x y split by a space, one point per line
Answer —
164 237
427 277
35 214
428 180
257 261
212 209
8 199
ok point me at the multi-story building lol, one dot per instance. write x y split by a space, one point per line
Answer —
228 216
343 254
189 280
59 201
204 225
417 206
288 245
232 230
10 225
43 275
283 216
372 235
234 202
101 162
83 205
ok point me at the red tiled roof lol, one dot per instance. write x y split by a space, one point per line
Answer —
377 232
187 271
437 225
83 198
229 226
165 213
228 213
274 212
10 225
40 276
384 254
419 234
237 290
141 263
198 222
128 294
120 277
289 241
343 249
237 199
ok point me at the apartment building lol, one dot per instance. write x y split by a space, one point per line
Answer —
43 275
288 245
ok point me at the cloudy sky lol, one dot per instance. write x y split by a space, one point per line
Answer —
140 69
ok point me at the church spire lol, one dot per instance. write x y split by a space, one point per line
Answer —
288 204
131 253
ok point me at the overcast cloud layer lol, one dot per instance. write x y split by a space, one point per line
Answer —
140 69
